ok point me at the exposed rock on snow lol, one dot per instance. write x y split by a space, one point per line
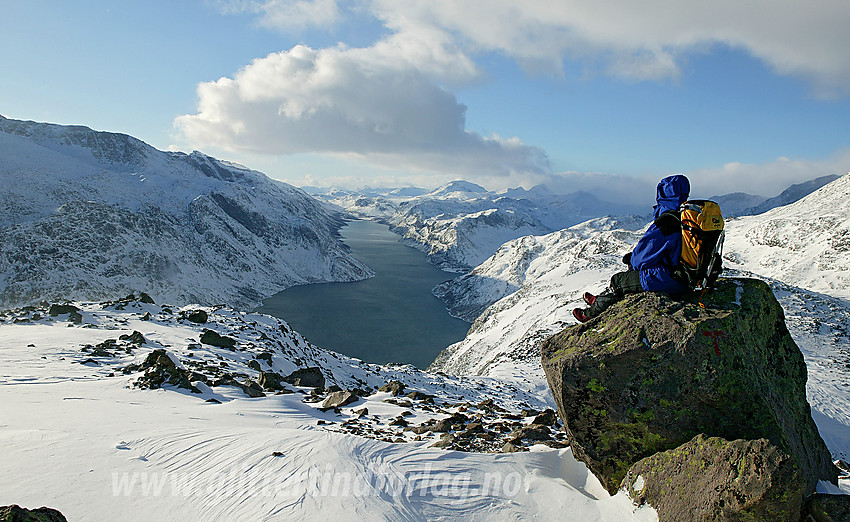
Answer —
95 215
716 479
651 373
15 513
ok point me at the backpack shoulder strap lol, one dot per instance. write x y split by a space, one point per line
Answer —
669 222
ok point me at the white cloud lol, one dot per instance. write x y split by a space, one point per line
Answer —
767 179
644 40
286 14
381 103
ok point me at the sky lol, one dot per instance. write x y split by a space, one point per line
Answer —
600 95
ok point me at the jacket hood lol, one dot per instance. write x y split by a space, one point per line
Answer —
672 191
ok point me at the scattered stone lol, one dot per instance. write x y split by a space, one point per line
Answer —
134 338
147 316
451 422
403 402
198 377
270 381
490 405
306 377
277 454
510 447
160 369
16 513
145 298
131 368
532 432
529 412
339 399
254 365
394 387
59 309
195 316
265 356
215 339
547 418
102 349
213 400
252 389
715 479
399 421
422 397
90 361
445 441
362 412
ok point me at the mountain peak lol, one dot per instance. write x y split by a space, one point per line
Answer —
458 186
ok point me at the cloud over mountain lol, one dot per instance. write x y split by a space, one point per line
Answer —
384 103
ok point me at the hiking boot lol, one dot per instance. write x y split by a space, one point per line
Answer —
579 314
589 298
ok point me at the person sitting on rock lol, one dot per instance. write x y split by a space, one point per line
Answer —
652 260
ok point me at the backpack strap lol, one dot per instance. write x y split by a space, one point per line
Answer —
669 222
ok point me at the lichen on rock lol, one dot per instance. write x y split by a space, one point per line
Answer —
653 372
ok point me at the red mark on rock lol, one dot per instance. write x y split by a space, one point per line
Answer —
715 335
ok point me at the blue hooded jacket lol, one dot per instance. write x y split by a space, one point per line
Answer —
655 254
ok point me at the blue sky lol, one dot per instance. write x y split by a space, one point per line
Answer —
578 94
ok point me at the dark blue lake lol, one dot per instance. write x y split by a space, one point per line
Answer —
391 317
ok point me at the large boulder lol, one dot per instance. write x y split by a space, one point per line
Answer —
307 377
161 369
716 479
652 372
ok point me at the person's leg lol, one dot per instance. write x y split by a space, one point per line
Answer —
622 283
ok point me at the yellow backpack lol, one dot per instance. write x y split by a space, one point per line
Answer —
701 225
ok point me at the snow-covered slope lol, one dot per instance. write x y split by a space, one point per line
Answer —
792 194
79 437
91 215
527 291
805 244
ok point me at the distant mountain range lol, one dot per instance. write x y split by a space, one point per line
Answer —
460 224
91 215
742 204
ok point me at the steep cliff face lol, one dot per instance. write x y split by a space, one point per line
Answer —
651 373
94 215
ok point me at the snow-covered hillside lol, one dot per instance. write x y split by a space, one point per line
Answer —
805 244
80 436
91 215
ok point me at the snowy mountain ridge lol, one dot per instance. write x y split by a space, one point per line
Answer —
91 215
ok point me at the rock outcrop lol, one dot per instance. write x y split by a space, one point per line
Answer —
15 513
716 479
652 373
